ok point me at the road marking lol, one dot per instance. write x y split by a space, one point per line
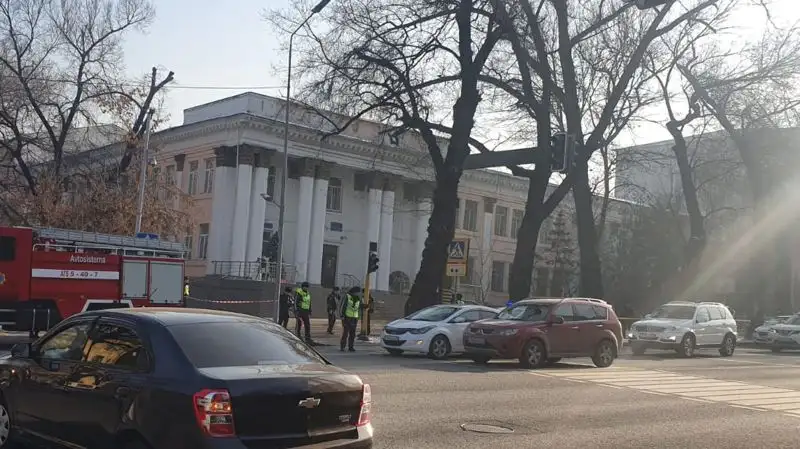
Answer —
736 394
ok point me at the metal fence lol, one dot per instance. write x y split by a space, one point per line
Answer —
256 271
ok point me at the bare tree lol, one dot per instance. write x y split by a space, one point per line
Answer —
62 64
404 63
61 69
578 66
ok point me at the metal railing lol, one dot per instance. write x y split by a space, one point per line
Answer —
256 271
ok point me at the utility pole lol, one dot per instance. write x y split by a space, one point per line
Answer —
143 169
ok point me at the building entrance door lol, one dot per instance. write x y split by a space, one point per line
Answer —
330 260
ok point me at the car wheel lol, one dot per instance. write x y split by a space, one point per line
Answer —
394 352
480 360
553 360
6 435
604 354
686 349
638 349
728 346
440 348
533 355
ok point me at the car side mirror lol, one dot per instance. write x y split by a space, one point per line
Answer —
557 320
21 350
648 316
458 320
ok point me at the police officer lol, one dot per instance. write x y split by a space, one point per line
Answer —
351 309
302 300
333 303
283 307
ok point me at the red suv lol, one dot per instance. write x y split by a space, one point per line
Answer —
543 331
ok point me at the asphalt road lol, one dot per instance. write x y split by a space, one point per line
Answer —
653 401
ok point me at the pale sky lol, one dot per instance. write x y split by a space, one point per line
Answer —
228 44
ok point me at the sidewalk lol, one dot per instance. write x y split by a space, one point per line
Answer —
319 334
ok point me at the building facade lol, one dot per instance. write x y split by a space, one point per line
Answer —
344 191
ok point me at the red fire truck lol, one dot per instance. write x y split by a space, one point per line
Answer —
47 275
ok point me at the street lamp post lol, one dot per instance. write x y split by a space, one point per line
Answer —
285 172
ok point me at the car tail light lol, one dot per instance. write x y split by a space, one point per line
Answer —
214 412
364 415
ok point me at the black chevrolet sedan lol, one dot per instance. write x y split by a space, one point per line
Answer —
159 378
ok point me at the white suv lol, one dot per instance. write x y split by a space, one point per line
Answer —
685 326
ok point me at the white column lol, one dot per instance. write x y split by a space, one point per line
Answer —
486 243
258 207
241 215
374 198
222 208
424 208
318 214
304 206
385 242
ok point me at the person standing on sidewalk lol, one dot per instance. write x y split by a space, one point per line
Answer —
333 304
302 299
285 302
351 309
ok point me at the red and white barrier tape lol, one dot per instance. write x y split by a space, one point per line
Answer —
231 301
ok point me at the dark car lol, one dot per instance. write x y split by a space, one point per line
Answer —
161 378
543 331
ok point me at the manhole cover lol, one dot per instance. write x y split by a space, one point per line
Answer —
485 428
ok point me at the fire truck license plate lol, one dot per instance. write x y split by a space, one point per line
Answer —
79 274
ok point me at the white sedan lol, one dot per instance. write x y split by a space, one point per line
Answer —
437 330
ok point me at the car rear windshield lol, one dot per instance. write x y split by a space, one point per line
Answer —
674 312
435 313
244 343
525 312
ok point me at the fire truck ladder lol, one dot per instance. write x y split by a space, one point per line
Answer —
110 241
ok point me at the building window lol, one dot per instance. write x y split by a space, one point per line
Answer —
202 242
516 222
169 180
544 231
470 222
498 277
271 175
334 201
457 221
208 179
188 241
542 281
472 273
193 174
501 221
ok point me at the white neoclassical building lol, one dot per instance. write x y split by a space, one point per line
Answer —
343 191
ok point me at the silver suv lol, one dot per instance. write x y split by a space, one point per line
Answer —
684 327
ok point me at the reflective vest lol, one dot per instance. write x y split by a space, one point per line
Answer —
352 309
305 299
185 289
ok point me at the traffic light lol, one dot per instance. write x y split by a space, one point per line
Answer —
647 4
562 152
372 265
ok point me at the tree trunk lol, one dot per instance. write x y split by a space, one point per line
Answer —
440 234
590 269
519 282
697 238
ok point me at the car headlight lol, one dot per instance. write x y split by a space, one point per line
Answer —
421 330
508 332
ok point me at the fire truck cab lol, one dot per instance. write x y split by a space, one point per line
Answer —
47 275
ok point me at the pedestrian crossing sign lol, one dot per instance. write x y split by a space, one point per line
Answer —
458 250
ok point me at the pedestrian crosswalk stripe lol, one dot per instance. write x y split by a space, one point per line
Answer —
695 388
